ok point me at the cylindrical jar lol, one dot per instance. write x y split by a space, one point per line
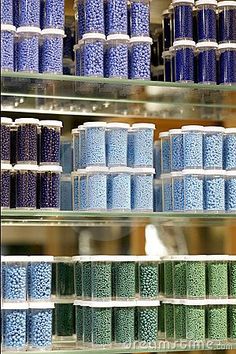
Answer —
147 313
50 142
227 16
214 190
193 190
169 320
167 202
179 276
29 13
79 147
193 146
206 20
165 152
148 277
207 70
177 191
77 276
143 144
124 323
78 51
183 19
27 136
79 325
142 189
6 170
6 124
119 189
116 144
50 176
101 278
167 55
97 188
232 276
94 16
140 58
54 14
195 320
167 28
95 137
7 12
26 186
66 154
66 192
157 195
176 149
227 65
229 149
140 18
92 54
64 277
7 47
52 51
117 13
217 276
196 276
184 60
117 56
230 191
157 158
64 321
40 278
217 321
213 140
125 277
28 49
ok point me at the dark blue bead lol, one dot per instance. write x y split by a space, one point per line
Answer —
117 60
140 61
227 28
94 16
7 12
207 66
7 50
184 64
92 58
50 145
227 66
28 52
26 189
183 21
50 190
5 188
27 143
206 19
140 18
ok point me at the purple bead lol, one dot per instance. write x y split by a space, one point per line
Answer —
92 58
94 16
28 52
227 21
227 66
207 66
118 59
26 189
140 18
5 141
7 50
7 12
117 16
184 64
29 13
54 14
5 187
183 20
52 54
50 190
27 143
140 60
50 144
206 22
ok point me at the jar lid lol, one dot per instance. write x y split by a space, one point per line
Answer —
207 45
196 258
63 259
50 168
57 31
75 131
166 54
94 125
147 303
96 169
112 37
157 182
95 304
177 2
27 121
232 258
144 171
230 173
226 3
5 120
101 258
141 39
125 258
143 126
26 167
51 123
148 259
175 131
78 45
164 135
93 36
192 171
221 302
15 259
184 43
82 258
126 303
118 125
177 174
33 259
6 166
186 128
9 28
197 302
28 29
157 143
121 169
165 175
81 127
224 46
214 129
230 130
217 257
15 306
206 2
41 305
165 12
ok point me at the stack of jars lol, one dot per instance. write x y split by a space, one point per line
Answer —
8 32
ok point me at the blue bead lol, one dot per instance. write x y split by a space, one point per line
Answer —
227 66
80 20
213 150
28 52
75 186
95 146
214 193
167 68
140 18
83 192
227 28
178 193
117 60
207 66
94 16
7 12
130 148
14 281
117 16
157 158
167 193
39 280
14 329
42 13
54 14
50 144
184 64
66 193
230 193
29 13
5 142
157 196
193 149
183 20
193 192
50 190
142 192
7 50
177 151
206 20
140 61
52 54
40 328
27 150
165 154
97 191
78 61
166 26
5 188
119 191
229 151
116 146
26 189
143 146
92 63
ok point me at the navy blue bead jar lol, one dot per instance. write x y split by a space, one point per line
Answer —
183 19
167 55
94 16
5 147
28 49
227 20
117 56
52 51
54 14
50 177
5 185
207 52
27 136
26 186
7 12
92 55
206 20
184 61
50 142
227 63
167 29
117 17
7 47
140 58
140 18
29 13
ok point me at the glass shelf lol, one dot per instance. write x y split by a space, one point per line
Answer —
74 218
71 95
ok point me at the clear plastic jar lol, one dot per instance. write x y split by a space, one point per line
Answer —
142 189
78 276
167 55
213 140
148 277
217 276
116 144
83 192
26 186
6 170
193 146
167 28
183 19
97 188
52 51
94 16
50 176
124 323
184 60
7 12
232 321
196 276
64 277
117 13
50 142
206 20
66 193
147 319
66 154
119 189
79 19
79 323
157 158
168 276
29 13
214 191
64 321
169 325
217 321
227 75
207 70
7 47
167 202
229 149
92 54
232 277
6 124
157 195
54 14
177 191
140 18
165 152
125 277
195 319
193 190
143 144
76 148
101 278
28 49
95 137
27 136
75 190
179 276
177 150
117 56
140 58
230 191
130 148
227 14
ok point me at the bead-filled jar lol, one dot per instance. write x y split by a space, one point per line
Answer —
7 47
39 278
142 189
230 191
165 152
140 58
97 188
54 14
193 146
143 144
214 191
227 65
50 176
5 139
117 17
52 51
94 16
50 142
95 137
227 15
27 136
229 149
7 12
176 149
183 19
92 53
119 189
206 20
29 13
28 49
116 144
167 199
193 190
207 71
140 18
26 186
213 141
184 60
6 170
178 191
117 56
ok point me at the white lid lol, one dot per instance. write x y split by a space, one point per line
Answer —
120 170
81 171
206 2
41 258
81 127
118 125
144 170
192 171
166 53
176 2
196 258
51 123
176 174
81 258
78 302
27 121
226 3
232 258
178 257
141 39
8 28
118 36
101 258
96 169
157 143
125 303
94 36
164 135
186 128
50 168
217 257
221 302
147 303
224 46
63 259
78 45
193 302
28 29
230 173
165 12
95 124
75 131
214 173
175 131
165 175
56 31
143 126
230 130
16 259
148 258
95 304
15 306
41 305
26 167
6 166
215 129
5 120
124 258
207 45
184 43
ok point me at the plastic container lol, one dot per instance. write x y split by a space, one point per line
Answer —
168 276
29 13
214 191
14 278
117 55
75 190
227 63
147 313
64 321
119 189
232 276
148 277
143 144
6 170
92 54
179 276
66 193
167 202
195 319
142 189
95 137
140 58
94 16
117 14
169 325
6 124
227 13
213 140
79 323
165 152
157 195
64 277
54 14
157 158
26 186
78 148
40 278
116 144
217 276
66 155
207 71
124 323
7 12
232 321
130 148
79 19
177 191
140 18
196 276
229 149
78 276
52 51
101 278
183 19
50 176
193 190
40 325
176 149
28 49
125 278
27 149
216 317
167 28
50 142
184 60
7 47
193 146
230 191
79 190
172 64
13 143
97 188
206 20
13 325
167 55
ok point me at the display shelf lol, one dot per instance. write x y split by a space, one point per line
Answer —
71 95
74 218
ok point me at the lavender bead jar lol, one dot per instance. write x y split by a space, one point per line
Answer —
94 16
167 55
5 185
206 20
5 139
227 63
184 60
229 149
167 27
28 49
50 142
117 17
142 189
227 19
140 18
7 12
7 47
97 188
52 51
183 19
230 192
95 137
27 149
92 63
29 13
116 144
50 176
143 144
117 56
26 186
140 58
207 52
54 14
119 189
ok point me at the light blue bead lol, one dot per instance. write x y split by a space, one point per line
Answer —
39 280
14 329
97 191
119 191
140 61
213 150
230 151
75 179
94 16
167 194
83 193
29 13
116 146
165 155
193 192
177 152
7 50
117 60
214 193
142 192
95 146
193 149
157 159
230 193
14 281
157 197
52 54
66 193
82 149
66 156
143 147
117 16
140 18
28 53
54 14
40 328
178 193
130 148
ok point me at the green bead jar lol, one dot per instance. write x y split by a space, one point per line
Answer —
101 277
169 320
86 277
232 321
64 321
168 277
217 321
196 276
180 321
147 322
195 319
125 277
232 276
148 277
102 324
217 276
64 277
179 277
123 323
78 276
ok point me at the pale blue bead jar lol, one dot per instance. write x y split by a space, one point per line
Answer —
165 152
40 278
193 190
193 146
76 149
176 150
97 188
95 137
214 191
178 191
143 144
116 144
167 200
230 149
213 139
230 191
142 189
119 189
130 148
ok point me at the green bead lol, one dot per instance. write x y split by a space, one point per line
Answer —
148 324
87 324
79 323
232 321
179 274
196 279
101 280
125 280
217 279
232 279
78 279
180 321
195 323
65 320
169 321
148 280
217 322
124 325
65 279
86 279
168 274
